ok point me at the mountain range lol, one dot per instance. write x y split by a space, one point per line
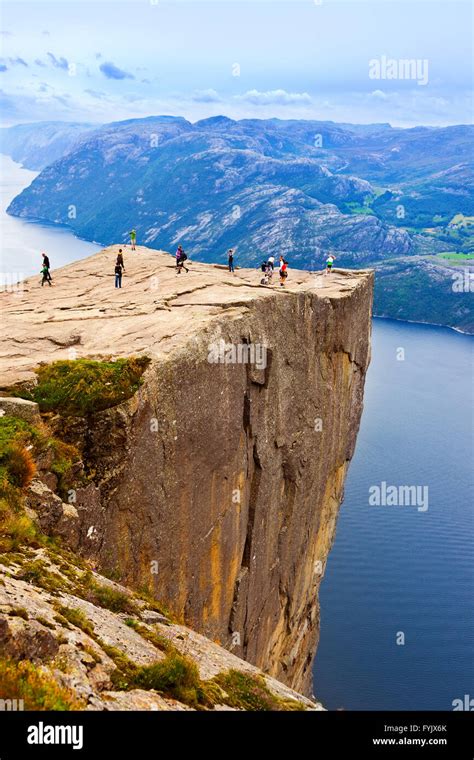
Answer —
372 195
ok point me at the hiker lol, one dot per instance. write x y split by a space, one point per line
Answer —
47 265
230 256
46 276
329 262
133 238
120 259
266 269
283 271
118 273
180 259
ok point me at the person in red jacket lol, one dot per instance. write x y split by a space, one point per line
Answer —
283 271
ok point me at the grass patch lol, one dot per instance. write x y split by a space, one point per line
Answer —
19 612
175 676
104 596
245 691
16 529
161 642
39 691
83 386
37 572
77 618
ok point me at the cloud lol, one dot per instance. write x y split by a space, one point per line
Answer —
18 61
39 62
95 94
379 95
146 81
3 67
58 63
206 96
111 71
274 97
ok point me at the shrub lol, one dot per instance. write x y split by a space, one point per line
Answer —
176 676
246 691
39 690
15 529
84 386
77 618
18 465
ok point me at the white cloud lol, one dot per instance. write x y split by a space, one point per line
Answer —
206 96
274 97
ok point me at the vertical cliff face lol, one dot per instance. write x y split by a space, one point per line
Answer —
220 482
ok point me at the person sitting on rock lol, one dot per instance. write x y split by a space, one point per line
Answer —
180 259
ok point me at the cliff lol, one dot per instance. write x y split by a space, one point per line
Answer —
217 484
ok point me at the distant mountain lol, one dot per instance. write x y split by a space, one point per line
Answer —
370 194
37 145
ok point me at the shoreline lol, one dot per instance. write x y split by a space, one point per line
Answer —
67 229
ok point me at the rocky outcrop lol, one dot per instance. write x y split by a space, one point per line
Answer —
46 619
219 482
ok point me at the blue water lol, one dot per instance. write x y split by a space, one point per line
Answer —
394 569
22 241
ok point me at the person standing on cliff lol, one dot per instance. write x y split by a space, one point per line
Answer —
120 259
230 256
283 271
47 265
46 276
118 274
180 259
133 238
329 262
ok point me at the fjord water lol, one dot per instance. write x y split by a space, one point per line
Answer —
22 241
394 569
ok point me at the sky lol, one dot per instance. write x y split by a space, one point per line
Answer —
95 61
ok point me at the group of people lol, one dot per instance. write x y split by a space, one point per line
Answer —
267 267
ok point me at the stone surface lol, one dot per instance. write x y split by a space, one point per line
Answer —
218 484
19 407
31 628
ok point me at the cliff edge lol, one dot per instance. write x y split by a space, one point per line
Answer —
218 483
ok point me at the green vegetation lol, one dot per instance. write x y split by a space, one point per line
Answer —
244 691
104 596
19 612
84 386
16 530
456 256
37 572
77 618
39 690
161 642
176 676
